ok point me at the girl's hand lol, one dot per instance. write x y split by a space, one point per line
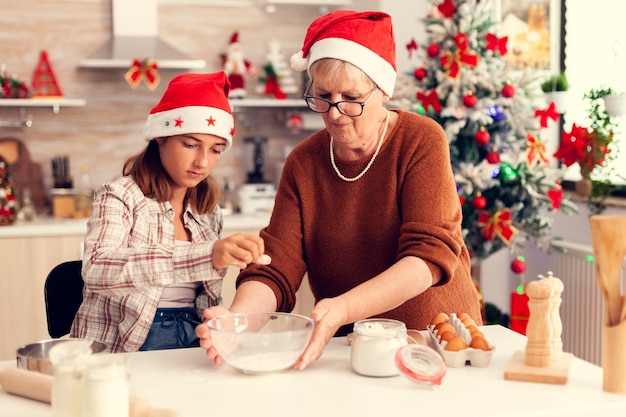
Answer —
240 250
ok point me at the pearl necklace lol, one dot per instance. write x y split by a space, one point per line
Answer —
369 164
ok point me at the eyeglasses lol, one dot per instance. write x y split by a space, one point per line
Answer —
347 107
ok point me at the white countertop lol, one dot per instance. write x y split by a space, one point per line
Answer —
186 381
49 226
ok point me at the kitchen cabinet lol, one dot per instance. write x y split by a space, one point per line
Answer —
26 262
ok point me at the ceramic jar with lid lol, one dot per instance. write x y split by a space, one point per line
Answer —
374 346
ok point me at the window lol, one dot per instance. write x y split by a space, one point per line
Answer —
595 57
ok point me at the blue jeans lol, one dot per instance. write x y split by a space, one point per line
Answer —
173 328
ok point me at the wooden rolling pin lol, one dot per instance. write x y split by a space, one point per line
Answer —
38 386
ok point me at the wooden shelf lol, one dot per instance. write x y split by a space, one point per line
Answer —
54 102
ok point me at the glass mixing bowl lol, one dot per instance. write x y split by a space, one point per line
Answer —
259 343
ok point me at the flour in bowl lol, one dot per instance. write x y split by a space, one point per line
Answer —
264 362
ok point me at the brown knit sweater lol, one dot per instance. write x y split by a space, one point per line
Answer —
344 233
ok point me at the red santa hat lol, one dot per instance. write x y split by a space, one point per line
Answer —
364 39
193 103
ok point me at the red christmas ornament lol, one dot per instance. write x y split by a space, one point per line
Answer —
518 265
433 50
462 200
508 91
479 202
493 157
482 137
419 74
470 100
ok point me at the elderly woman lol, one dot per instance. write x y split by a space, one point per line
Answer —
367 206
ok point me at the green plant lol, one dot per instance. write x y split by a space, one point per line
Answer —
555 83
603 128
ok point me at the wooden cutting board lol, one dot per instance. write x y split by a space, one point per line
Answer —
557 373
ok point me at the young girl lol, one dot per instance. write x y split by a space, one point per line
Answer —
153 255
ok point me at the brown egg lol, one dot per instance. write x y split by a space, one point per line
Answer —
474 331
463 316
456 344
466 320
479 342
439 318
447 336
444 327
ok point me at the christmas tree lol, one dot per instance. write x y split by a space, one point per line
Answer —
279 78
493 116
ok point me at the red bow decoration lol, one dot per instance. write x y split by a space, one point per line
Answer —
431 99
143 70
447 8
550 112
556 196
535 151
493 43
411 46
455 57
498 225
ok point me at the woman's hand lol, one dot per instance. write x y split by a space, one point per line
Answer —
329 314
203 333
239 250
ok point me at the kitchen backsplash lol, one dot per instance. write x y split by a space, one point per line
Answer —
107 130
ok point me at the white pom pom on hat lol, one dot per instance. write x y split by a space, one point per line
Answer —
193 103
364 39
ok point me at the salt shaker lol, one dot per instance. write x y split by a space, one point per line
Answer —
106 390
375 344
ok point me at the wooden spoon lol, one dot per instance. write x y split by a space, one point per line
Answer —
608 235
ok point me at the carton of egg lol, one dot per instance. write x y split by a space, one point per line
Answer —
459 341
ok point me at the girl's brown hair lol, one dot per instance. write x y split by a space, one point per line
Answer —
148 172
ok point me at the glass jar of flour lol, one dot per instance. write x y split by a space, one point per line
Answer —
106 391
374 346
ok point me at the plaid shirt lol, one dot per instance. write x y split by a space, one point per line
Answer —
130 255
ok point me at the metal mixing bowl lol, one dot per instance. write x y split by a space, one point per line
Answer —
35 356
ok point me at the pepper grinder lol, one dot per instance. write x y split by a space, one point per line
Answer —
540 329
555 316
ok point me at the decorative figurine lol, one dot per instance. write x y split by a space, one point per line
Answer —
236 66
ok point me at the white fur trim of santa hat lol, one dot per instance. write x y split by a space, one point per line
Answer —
364 39
193 103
